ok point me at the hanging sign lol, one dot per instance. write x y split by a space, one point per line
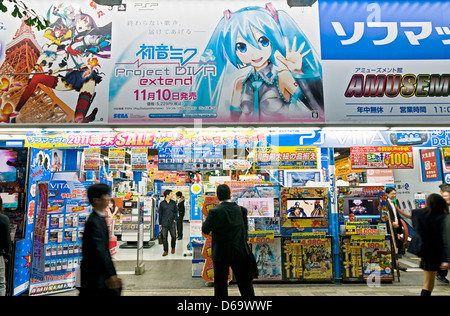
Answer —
368 241
286 157
116 158
261 236
139 159
382 157
91 159
430 165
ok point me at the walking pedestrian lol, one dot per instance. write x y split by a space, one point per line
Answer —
444 189
428 223
396 224
98 274
167 221
228 224
5 248
181 211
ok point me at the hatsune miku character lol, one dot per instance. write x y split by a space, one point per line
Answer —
284 82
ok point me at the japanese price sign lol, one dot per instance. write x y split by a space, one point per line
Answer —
382 157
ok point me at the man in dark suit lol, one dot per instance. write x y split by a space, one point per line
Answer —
5 248
228 224
396 224
168 213
98 274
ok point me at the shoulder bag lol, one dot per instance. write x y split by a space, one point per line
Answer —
253 269
416 245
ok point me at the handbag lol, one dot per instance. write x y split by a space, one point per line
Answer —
160 238
254 273
251 261
416 245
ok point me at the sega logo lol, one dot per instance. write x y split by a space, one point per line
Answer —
120 116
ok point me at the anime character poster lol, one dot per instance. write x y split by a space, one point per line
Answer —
317 260
56 75
258 207
268 259
241 61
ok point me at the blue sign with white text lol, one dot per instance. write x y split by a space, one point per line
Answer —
384 30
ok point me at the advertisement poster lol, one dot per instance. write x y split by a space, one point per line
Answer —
139 159
63 227
383 60
91 159
242 62
58 75
116 158
431 166
286 158
260 223
140 62
317 256
382 157
258 207
307 257
40 166
267 252
37 272
376 256
245 61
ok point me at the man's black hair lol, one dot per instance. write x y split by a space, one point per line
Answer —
167 192
390 189
97 191
223 192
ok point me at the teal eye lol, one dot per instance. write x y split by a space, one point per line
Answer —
264 41
241 47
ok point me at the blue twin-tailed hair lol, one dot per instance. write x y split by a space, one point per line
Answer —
221 48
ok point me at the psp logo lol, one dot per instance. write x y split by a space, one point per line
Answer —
120 116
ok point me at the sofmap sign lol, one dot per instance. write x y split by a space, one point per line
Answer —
384 30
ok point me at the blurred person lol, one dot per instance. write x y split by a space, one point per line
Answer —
5 248
181 211
167 221
397 227
444 189
98 274
228 224
429 224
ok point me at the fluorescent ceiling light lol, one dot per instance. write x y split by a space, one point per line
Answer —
326 129
416 128
14 130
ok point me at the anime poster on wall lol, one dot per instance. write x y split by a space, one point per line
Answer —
56 75
244 61
267 252
258 207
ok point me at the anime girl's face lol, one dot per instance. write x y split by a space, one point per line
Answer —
255 56
82 24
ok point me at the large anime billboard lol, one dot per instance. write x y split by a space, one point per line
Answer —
249 61
258 62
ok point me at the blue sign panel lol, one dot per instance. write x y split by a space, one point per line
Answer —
384 30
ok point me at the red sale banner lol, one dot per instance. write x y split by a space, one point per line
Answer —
430 165
382 157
